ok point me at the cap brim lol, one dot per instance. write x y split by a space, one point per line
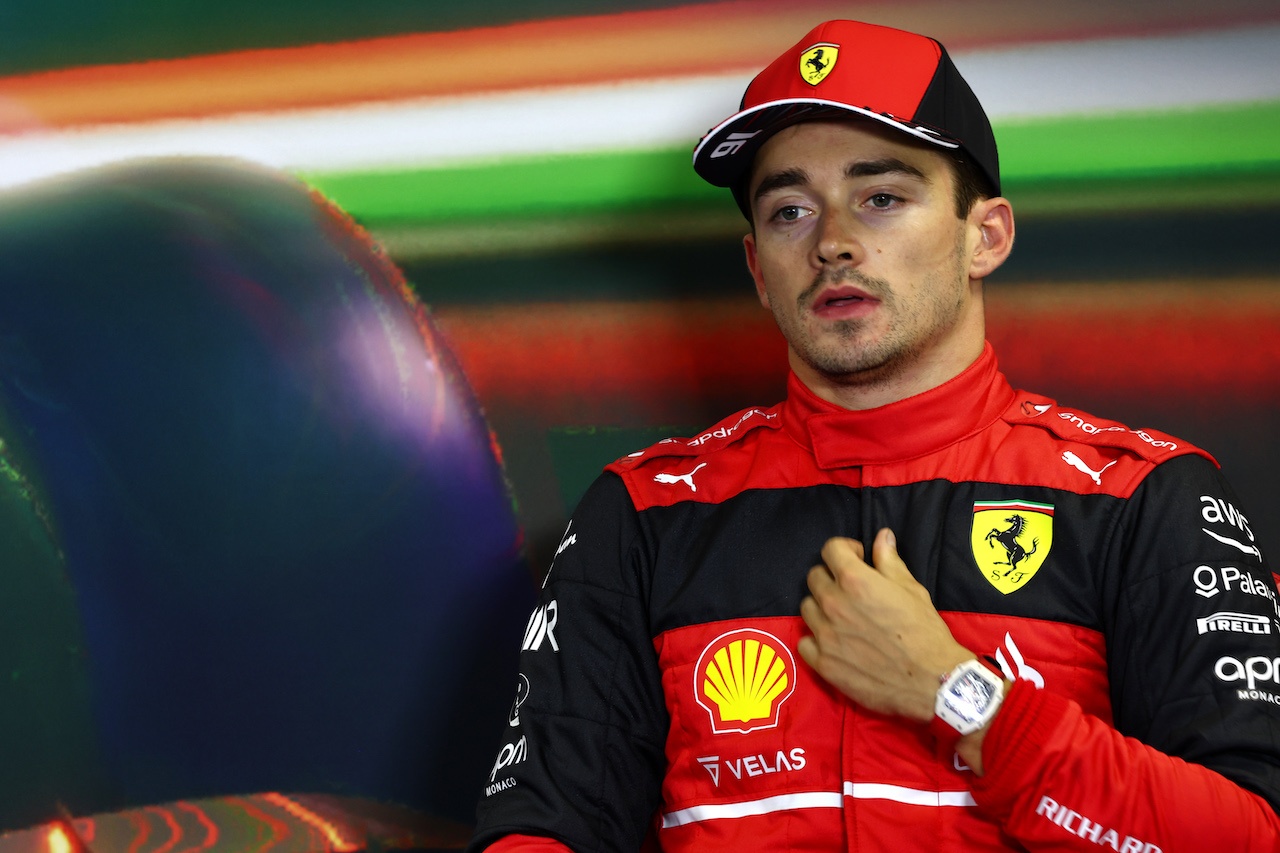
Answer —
725 154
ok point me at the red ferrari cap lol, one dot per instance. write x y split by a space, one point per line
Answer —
904 80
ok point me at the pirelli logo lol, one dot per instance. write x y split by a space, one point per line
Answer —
742 679
1236 623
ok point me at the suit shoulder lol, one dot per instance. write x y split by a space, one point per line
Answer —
671 471
1070 424
732 430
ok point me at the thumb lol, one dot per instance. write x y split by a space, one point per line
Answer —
884 556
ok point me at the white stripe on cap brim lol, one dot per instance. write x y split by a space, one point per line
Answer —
715 134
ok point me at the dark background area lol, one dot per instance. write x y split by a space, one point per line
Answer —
39 35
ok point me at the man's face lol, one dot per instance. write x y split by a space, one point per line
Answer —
859 254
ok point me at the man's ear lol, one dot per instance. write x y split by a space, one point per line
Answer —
753 264
993 217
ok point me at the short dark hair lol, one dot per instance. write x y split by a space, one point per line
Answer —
972 185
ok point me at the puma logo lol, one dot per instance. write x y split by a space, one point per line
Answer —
1076 462
676 478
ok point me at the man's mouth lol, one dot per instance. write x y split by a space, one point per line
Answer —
841 297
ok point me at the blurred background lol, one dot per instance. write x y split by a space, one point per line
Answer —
525 165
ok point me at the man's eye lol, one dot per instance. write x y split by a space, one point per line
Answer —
790 213
882 200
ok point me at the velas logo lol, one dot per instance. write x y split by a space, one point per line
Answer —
816 62
742 679
1010 541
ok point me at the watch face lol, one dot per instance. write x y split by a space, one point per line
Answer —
969 695
968 699
974 690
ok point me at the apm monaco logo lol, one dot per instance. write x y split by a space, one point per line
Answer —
742 679
816 62
1010 541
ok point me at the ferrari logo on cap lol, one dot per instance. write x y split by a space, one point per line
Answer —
1011 540
816 62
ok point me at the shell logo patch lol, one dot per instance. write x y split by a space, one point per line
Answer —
816 62
1010 541
742 679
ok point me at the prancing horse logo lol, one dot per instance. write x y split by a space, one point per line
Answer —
1008 539
1024 532
817 62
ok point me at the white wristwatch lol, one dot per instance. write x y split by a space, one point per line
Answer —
967 699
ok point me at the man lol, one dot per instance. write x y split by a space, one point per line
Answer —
1028 627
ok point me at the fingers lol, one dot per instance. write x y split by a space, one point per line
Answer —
839 552
812 615
808 649
845 558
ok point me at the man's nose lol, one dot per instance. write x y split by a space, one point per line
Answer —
837 239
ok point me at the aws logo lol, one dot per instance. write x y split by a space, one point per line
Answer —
742 679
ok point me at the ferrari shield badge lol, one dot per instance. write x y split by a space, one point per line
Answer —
816 62
1010 541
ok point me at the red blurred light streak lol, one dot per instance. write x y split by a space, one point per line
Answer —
336 841
279 829
210 828
175 831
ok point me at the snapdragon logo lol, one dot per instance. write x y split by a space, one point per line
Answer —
725 432
1092 429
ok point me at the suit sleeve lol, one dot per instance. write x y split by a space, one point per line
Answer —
1193 762
581 757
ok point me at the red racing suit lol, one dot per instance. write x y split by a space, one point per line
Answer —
1108 572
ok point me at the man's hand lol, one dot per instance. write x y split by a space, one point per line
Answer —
876 634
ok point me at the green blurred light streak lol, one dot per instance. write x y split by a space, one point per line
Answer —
1154 150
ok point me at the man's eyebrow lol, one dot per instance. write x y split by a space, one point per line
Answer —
860 169
780 180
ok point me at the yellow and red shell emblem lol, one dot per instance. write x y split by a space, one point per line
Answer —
742 679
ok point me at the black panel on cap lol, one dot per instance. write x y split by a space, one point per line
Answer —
949 105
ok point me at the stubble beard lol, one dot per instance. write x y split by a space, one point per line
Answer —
853 359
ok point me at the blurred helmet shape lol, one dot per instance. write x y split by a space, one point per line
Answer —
254 532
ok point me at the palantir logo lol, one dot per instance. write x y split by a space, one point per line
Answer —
742 679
